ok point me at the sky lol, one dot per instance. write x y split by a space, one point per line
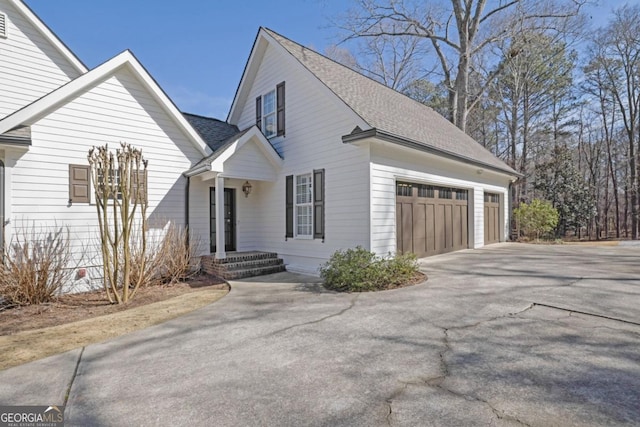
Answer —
197 49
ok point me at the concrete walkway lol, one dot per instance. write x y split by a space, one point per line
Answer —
507 335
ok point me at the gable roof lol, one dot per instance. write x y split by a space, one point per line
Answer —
214 132
389 113
229 146
31 16
39 108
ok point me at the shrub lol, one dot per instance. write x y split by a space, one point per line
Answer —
36 265
167 260
536 218
359 270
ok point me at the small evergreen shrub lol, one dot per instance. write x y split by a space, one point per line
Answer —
537 218
359 270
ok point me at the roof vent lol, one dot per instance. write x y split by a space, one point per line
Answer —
3 25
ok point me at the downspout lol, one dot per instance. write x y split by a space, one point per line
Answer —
510 206
186 210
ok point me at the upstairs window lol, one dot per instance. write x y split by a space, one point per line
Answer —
270 115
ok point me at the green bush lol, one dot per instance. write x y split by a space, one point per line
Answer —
359 270
536 218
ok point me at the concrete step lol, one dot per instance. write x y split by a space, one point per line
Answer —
252 272
246 256
241 265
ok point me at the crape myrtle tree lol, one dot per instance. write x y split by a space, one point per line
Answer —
119 182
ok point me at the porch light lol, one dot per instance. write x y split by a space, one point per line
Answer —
246 188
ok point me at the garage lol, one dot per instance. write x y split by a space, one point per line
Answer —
491 218
430 220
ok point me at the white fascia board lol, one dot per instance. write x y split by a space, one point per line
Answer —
49 35
248 75
34 111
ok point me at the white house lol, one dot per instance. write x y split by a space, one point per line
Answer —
313 157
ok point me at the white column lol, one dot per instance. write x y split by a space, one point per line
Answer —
220 252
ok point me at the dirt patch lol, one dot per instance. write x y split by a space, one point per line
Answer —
34 332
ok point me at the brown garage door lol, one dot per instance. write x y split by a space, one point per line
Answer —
430 220
491 218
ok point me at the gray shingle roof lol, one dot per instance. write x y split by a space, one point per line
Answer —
389 111
213 131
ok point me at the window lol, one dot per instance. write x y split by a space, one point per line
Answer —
304 205
491 198
270 116
444 193
426 191
113 181
461 195
404 189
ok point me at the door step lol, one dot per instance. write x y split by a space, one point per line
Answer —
240 265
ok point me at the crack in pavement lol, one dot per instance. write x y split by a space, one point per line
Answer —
322 319
73 378
437 382
570 310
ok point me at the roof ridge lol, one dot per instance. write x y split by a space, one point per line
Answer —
205 117
348 68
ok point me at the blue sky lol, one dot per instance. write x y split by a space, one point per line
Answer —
196 49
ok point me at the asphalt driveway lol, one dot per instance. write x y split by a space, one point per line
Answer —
506 335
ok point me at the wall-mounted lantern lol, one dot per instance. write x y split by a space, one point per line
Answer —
246 188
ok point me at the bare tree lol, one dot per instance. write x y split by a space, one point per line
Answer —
458 32
119 183
616 52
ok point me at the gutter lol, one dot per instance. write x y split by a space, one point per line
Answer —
394 139
186 208
15 140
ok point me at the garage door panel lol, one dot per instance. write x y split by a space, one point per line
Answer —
419 229
491 218
431 228
430 220
441 234
407 226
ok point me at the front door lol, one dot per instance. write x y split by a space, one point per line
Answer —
229 219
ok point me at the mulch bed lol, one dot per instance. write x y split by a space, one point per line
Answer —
73 307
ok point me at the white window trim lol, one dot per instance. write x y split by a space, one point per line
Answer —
296 204
272 114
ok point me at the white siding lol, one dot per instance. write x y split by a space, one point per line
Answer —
116 110
30 66
389 163
315 123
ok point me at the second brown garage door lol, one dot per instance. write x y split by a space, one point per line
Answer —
491 218
430 220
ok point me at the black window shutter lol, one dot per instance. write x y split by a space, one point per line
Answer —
280 108
318 204
289 207
79 183
259 112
